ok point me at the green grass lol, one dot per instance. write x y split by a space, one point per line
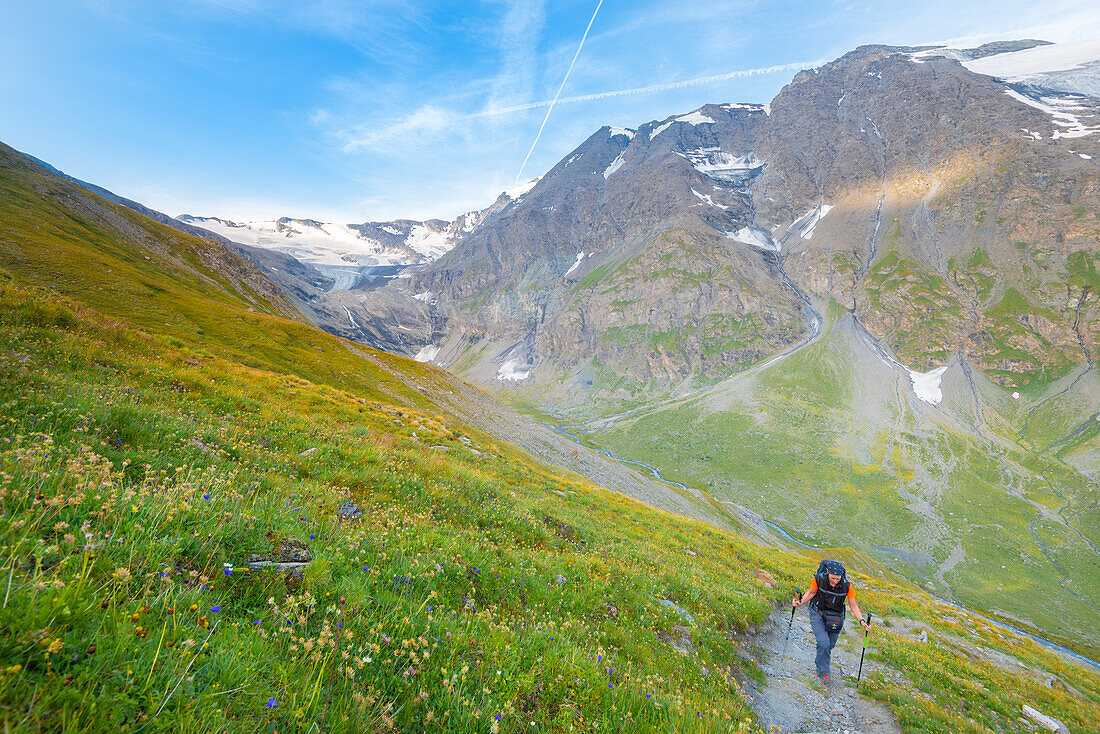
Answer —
785 446
102 461
147 450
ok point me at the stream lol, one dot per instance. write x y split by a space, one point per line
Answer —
656 474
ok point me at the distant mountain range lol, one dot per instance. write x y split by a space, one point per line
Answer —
865 312
946 197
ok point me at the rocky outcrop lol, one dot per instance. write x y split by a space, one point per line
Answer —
959 208
940 206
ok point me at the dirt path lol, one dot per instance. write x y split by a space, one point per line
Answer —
793 699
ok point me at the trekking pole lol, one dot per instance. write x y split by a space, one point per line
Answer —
789 626
864 648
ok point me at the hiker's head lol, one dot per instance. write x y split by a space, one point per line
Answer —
834 570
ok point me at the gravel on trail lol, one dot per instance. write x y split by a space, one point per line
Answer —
794 700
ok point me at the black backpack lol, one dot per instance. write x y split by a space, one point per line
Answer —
830 603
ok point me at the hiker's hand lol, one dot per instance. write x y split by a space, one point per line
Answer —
865 624
794 602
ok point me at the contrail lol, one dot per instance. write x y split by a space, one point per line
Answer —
740 73
563 81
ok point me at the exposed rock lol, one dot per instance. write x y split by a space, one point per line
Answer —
349 511
1047 722
679 610
257 565
679 639
765 578
288 550
564 530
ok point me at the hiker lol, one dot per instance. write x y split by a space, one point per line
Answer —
827 592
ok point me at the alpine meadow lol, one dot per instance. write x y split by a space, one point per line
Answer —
559 463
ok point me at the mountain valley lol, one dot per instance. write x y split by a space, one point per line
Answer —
366 473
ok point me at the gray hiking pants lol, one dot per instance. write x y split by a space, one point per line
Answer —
825 641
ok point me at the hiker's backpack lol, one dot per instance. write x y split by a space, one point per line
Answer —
829 601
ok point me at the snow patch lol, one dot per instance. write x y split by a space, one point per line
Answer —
714 163
426 296
622 131
1085 156
1058 107
1015 396
514 370
427 354
428 243
805 225
615 165
659 129
695 118
926 385
351 319
707 200
519 190
338 246
755 237
1026 65
577 264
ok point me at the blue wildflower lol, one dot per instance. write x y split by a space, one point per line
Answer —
271 703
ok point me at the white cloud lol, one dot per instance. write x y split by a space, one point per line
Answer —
421 127
653 88
517 40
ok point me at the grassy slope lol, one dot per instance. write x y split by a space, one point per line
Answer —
779 447
135 466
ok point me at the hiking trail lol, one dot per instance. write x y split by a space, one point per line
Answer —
794 700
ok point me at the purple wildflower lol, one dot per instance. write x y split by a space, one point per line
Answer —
216 608
271 703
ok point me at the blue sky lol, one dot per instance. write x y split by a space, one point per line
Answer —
354 111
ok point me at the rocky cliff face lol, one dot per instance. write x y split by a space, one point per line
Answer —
619 268
964 216
950 211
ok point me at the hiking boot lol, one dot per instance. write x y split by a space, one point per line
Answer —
824 677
